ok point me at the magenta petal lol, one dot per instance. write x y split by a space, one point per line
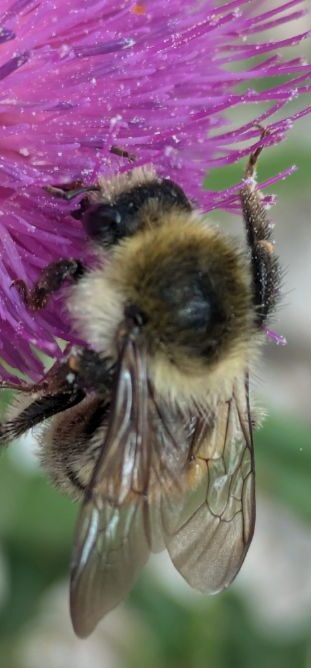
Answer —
78 77
275 337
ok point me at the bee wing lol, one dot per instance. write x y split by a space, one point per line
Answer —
209 532
147 493
111 544
110 550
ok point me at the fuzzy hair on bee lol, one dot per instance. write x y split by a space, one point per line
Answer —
149 423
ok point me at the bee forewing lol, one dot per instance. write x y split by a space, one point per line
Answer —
111 545
214 517
110 551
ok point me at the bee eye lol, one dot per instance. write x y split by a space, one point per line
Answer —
104 223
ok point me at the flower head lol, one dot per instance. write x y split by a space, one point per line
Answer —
152 78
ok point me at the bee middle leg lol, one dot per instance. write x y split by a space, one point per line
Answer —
50 280
265 265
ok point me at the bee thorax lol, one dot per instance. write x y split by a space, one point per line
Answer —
186 288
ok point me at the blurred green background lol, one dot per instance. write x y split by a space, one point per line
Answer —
264 619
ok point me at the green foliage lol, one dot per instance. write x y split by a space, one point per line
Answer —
217 632
283 456
36 526
271 163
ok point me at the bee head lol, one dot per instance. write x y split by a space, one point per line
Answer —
111 219
107 224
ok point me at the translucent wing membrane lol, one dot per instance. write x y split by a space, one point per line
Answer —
217 509
111 545
162 479
110 551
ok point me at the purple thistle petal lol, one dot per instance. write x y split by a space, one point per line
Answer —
275 337
78 77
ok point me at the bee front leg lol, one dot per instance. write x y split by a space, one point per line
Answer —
265 265
70 190
51 280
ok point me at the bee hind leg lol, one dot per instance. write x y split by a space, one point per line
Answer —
35 412
50 280
265 265
63 386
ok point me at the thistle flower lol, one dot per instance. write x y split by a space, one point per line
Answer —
154 78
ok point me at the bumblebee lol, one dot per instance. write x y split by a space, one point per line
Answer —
149 423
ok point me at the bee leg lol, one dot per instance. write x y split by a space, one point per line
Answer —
70 191
123 153
28 388
35 412
265 265
51 280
